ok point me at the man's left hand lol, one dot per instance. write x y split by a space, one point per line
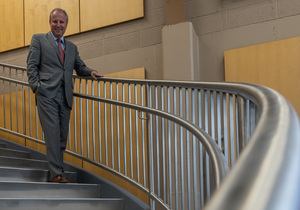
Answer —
96 75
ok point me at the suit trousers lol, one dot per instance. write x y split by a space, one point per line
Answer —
54 115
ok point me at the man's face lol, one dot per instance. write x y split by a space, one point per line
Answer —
58 24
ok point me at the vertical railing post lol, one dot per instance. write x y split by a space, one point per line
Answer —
241 123
150 152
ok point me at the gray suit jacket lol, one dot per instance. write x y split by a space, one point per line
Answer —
45 70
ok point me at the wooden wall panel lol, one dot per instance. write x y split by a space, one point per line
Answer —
12 29
21 19
275 65
99 13
37 16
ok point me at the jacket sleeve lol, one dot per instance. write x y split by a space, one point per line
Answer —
33 63
80 67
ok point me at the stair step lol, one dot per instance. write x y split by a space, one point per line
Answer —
48 190
14 153
23 163
60 204
29 175
3 145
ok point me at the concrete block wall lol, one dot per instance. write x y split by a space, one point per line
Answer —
228 24
220 25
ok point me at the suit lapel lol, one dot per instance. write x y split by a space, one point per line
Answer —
53 44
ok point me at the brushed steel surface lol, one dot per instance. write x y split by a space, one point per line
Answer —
27 174
23 163
48 190
3 145
14 153
60 204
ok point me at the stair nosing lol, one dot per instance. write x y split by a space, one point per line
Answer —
14 150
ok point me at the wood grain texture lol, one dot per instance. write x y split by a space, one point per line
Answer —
100 13
37 16
274 64
12 29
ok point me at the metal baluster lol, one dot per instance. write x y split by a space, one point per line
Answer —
143 139
10 102
124 132
163 146
188 160
150 153
17 106
201 176
157 144
170 149
200 150
29 98
213 115
241 123
237 140
137 136
93 123
3 91
219 118
206 108
81 133
87 121
231 125
69 141
225 127
36 122
112 129
181 150
194 152
105 130
118 129
207 176
23 105
75 123
247 122
130 132
176 152
99 125
252 118
207 129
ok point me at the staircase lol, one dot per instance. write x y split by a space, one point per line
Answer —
23 185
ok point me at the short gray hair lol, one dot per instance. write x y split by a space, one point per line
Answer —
60 10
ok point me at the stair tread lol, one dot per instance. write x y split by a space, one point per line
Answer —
3 145
29 174
13 150
14 153
58 204
24 185
11 189
19 158
18 162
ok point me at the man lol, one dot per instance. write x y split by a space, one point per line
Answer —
50 63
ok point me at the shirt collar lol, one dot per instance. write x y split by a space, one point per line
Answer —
62 38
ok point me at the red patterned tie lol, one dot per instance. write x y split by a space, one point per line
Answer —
61 51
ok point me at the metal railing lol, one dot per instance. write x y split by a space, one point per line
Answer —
174 141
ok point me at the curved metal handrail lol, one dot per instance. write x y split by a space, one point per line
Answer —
219 164
259 179
218 161
267 174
